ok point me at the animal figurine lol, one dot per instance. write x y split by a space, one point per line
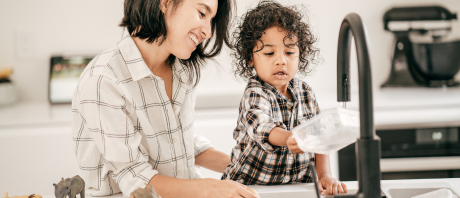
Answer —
70 187
142 193
25 196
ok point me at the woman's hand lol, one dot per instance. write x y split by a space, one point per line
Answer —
169 187
332 186
292 145
226 188
253 191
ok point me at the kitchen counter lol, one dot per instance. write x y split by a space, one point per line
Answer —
308 190
393 108
399 108
40 133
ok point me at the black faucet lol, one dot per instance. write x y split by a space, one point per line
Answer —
368 145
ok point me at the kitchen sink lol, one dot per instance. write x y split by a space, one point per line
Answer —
407 190
412 192
301 190
389 188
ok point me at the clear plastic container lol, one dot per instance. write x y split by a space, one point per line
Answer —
328 131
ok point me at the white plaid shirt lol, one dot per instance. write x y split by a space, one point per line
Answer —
124 127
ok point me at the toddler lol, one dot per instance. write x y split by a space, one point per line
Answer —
273 44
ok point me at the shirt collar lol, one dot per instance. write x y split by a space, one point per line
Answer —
275 90
133 58
136 65
180 71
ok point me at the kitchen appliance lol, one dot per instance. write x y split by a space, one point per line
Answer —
65 71
411 153
424 55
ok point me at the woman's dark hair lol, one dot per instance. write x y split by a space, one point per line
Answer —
145 19
268 14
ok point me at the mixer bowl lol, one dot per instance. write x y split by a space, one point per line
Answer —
437 61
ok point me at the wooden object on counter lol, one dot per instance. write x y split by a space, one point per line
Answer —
25 196
7 89
5 73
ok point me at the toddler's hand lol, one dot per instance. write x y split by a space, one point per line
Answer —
292 145
332 186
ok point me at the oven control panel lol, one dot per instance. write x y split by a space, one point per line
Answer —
404 145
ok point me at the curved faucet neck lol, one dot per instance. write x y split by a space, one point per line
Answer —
368 145
353 26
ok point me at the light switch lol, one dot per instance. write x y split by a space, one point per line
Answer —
25 44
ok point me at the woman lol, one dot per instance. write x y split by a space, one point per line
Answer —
133 107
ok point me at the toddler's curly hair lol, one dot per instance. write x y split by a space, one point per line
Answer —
266 15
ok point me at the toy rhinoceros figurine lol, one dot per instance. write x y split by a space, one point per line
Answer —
142 193
70 187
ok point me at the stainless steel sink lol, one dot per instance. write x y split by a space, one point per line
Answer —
407 190
301 190
410 192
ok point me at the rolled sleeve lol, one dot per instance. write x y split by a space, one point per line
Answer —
257 119
201 144
133 176
103 106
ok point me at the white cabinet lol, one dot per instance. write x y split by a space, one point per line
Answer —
33 158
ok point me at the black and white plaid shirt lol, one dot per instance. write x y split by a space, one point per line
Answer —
263 107
124 127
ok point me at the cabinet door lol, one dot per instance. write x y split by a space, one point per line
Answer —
33 158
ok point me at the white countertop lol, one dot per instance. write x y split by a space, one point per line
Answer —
308 190
398 108
393 108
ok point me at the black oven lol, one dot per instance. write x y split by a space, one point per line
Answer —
411 154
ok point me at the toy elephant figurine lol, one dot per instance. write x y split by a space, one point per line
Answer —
142 193
70 187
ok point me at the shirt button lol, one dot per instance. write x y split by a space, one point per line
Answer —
173 140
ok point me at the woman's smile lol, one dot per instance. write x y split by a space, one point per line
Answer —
194 38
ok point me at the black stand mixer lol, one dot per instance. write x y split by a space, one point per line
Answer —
422 56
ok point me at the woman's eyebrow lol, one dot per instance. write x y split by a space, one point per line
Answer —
206 6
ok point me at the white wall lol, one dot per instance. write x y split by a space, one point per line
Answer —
85 26
325 17
53 27
60 26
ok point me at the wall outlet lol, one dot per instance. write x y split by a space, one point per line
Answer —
25 44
